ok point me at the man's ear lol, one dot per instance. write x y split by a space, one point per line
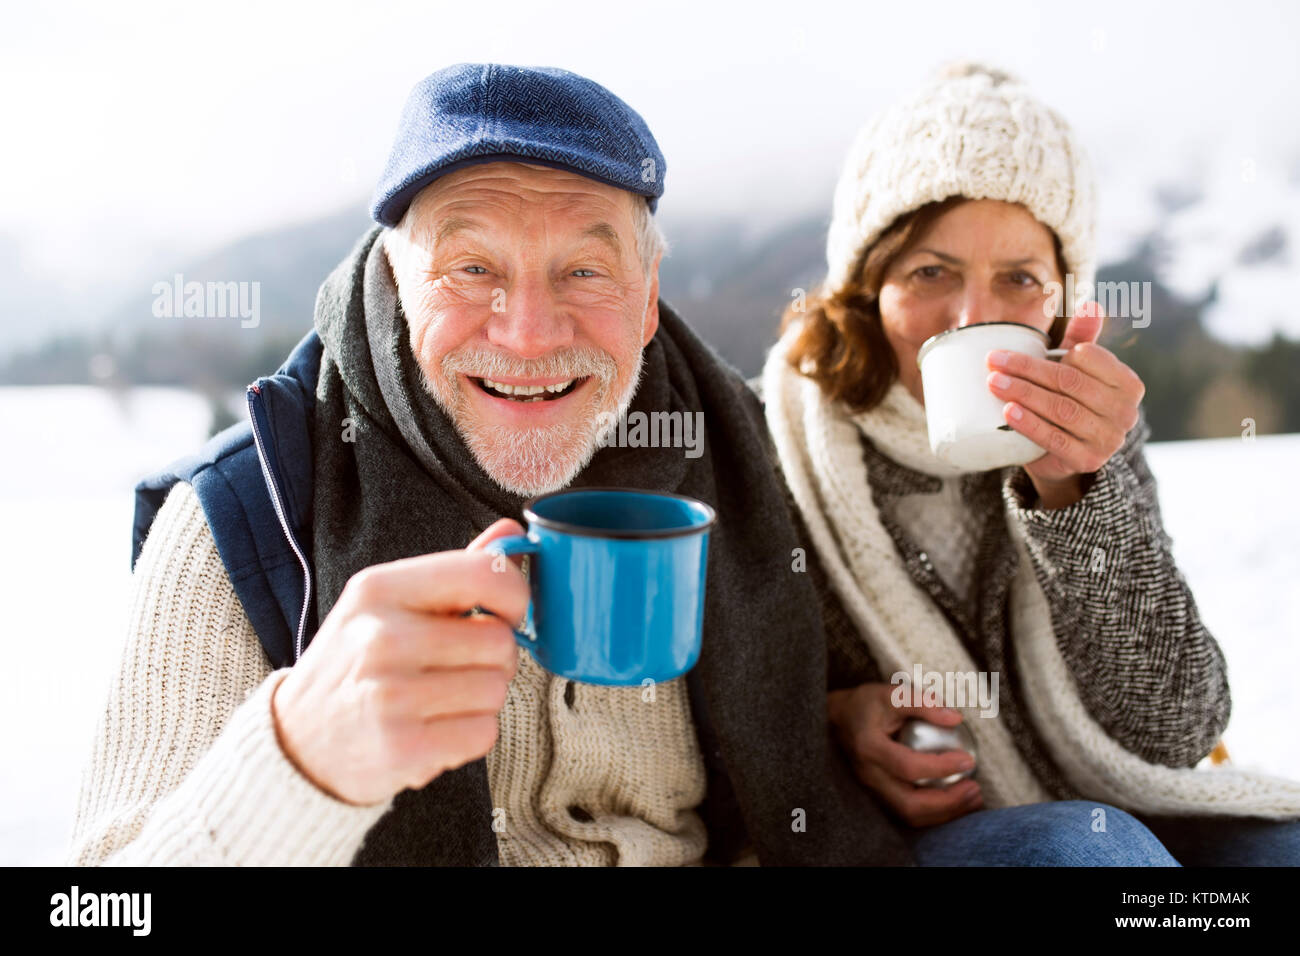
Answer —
652 305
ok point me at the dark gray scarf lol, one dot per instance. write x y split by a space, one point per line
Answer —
393 479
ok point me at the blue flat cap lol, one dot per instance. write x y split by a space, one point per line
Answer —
486 112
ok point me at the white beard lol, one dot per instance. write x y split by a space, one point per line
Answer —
535 461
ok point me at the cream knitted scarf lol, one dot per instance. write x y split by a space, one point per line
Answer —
819 444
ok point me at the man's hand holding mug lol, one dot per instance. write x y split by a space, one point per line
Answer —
399 686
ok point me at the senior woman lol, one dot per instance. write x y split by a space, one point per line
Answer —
972 202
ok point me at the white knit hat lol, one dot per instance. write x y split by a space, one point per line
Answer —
974 131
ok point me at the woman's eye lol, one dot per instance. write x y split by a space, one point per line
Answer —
929 272
481 271
1023 279
589 272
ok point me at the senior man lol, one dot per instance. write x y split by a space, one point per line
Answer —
469 353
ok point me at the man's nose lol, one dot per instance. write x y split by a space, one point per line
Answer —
527 320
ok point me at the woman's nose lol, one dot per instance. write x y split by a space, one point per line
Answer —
976 305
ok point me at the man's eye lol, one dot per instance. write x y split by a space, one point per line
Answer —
481 271
1023 279
589 272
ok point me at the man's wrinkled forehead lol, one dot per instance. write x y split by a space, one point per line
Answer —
451 226
476 199
523 182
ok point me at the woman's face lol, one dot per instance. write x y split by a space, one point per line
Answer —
981 261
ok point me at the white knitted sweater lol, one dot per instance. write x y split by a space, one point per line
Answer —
186 767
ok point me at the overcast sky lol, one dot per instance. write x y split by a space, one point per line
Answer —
130 137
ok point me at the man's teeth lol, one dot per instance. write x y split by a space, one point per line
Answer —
526 391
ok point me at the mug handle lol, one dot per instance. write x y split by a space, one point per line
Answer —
506 547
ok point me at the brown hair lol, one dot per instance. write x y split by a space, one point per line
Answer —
841 342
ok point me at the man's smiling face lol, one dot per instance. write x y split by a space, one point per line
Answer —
529 307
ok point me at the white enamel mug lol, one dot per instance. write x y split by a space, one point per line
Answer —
964 418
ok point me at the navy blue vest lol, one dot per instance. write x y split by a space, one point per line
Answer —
254 480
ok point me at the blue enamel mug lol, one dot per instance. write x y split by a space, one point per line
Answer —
617 583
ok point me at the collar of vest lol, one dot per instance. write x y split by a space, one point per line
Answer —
254 481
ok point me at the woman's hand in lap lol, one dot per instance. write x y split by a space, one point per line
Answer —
865 720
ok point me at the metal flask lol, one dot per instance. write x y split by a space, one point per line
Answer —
925 737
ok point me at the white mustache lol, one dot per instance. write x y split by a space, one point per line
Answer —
564 363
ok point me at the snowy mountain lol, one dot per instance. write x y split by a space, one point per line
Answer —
1224 222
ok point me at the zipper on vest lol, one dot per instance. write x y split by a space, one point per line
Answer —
254 394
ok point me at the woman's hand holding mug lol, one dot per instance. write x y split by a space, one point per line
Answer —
865 720
1080 409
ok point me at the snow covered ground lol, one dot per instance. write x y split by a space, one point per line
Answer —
72 455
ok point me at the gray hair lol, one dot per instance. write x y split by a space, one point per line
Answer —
650 241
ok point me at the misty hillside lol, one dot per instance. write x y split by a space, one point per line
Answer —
732 281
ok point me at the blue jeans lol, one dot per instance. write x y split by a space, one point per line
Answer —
1069 833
